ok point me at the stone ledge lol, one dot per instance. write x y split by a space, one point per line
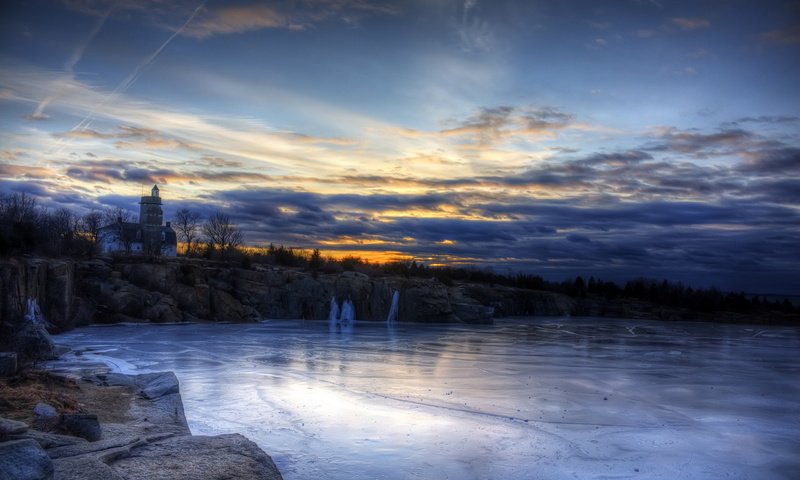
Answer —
152 440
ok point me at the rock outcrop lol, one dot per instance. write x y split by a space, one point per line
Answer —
144 437
111 290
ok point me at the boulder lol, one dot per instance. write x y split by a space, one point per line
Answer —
24 460
155 385
198 458
11 427
45 417
83 425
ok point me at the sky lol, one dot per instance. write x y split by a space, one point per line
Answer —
615 139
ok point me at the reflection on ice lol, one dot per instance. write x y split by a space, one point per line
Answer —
578 398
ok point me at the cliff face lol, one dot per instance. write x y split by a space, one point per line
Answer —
186 290
50 282
103 290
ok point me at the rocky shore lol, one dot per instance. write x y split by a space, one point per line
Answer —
136 430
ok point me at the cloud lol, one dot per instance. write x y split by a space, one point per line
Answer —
239 19
117 171
645 33
617 159
689 24
788 35
25 172
69 65
213 161
764 119
696 143
490 125
474 33
129 137
235 19
698 241
780 161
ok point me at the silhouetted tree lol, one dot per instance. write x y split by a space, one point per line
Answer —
221 234
91 223
18 223
187 223
316 261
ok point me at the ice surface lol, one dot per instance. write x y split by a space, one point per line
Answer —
524 399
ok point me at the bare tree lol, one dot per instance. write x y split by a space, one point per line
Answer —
19 222
18 208
187 223
118 216
91 223
221 233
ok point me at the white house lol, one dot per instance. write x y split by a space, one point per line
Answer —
148 236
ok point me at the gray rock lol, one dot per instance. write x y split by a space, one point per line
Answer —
83 468
11 427
198 458
48 440
8 364
155 385
45 417
34 343
82 425
101 447
24 460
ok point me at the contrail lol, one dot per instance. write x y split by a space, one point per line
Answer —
134 75
147 61
78 53
70 64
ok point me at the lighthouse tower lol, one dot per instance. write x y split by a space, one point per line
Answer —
150 213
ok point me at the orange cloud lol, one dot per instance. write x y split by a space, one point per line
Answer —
696 23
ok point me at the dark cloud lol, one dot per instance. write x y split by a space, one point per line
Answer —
578 238
773 119
773 162
114 171
702 144
785 191
787 35
28 188
116 174
615 159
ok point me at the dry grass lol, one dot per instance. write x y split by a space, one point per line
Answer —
19 394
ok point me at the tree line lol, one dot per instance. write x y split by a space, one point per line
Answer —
29 228
26 227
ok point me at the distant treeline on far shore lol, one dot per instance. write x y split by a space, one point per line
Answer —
26 228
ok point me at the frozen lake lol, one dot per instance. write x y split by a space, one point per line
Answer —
522 399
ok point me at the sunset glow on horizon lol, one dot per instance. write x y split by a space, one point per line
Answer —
615 139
